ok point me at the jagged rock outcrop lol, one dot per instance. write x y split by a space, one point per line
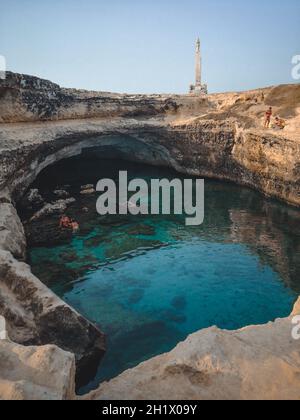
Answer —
28 98
12 236
36 316
226 141
33 200
259 159
254 363
36 373
61 194
296 310
57 208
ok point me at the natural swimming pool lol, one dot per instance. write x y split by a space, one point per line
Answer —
149 282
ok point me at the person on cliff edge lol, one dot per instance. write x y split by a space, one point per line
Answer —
280 123
269 114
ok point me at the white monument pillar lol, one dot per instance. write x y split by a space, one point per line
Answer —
198 65
198 88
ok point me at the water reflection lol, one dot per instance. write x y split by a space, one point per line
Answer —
149 282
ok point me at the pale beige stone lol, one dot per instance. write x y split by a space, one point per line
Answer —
296 310
11 231
35 373
259 362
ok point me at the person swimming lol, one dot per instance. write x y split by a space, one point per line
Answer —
68 223
74 226
64 222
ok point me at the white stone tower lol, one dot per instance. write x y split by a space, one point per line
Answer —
198 64
198 88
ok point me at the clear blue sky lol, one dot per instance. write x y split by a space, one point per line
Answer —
148 45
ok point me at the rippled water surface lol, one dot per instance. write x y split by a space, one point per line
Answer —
149 282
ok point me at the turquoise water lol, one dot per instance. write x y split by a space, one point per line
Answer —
149 282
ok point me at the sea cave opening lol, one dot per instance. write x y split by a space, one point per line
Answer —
149 281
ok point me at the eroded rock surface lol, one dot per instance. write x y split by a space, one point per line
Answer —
35 373
28 98
57 208
12 237
254 363
36 316
33 200
218 136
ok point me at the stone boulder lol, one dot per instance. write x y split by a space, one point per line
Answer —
36 373
32 201
62 194
87 189
57 208
87 192
12 237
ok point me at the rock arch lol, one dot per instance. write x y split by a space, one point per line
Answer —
128 147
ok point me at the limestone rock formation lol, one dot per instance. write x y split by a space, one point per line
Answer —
62 194
219 136
36 373
36 316
254 363
12 237
87 191
59 207
296 310
33 200
28 98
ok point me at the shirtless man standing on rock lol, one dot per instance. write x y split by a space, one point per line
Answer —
269 114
